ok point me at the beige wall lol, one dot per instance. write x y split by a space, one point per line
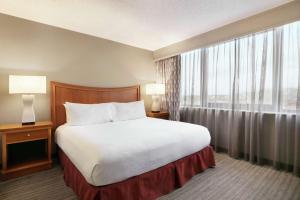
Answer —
283 14
29 48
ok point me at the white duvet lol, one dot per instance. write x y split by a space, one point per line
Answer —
114 151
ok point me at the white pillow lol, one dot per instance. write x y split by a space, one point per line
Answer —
127 111
83 114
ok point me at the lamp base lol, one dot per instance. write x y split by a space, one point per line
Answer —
155 104
28 117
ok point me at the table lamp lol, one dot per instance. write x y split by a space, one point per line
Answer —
156 90
27 86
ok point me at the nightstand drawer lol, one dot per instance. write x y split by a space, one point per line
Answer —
163 116
26 136
159 115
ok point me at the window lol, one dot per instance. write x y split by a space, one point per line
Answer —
255 72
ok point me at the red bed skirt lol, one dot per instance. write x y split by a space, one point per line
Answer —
147 186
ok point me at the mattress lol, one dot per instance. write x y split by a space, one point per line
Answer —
112 152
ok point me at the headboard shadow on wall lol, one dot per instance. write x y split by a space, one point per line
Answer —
61 93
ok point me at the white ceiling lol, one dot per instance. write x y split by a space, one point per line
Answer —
148 24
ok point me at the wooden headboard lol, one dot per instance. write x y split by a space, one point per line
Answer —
61 93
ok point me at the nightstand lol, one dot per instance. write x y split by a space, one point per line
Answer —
25 149
160 115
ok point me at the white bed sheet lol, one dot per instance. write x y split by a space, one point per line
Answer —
114 151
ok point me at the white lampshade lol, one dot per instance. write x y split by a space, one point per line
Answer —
155 89
27 84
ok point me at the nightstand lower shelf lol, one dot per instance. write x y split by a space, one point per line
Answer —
25 168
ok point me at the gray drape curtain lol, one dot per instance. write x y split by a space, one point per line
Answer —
168 72
247 92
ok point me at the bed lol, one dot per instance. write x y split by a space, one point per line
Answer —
134 159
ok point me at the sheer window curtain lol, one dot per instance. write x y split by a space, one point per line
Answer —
168 72
247 92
